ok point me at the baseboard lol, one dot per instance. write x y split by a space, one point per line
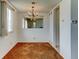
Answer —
9 49
33 41
56 50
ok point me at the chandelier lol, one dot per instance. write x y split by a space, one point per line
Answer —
33 15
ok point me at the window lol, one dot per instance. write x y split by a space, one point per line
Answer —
24 24
9 20
28 23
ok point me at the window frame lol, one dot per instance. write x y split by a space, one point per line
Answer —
9 20
25 19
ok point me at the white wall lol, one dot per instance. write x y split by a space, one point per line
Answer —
33 35
65 28
52 27
51 19
7 42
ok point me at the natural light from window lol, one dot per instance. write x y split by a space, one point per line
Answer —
9 20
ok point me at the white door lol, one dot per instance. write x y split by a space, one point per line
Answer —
56 27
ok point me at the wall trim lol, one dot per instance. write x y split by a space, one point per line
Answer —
8 50
56 50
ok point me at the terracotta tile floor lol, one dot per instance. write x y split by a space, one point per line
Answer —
33 51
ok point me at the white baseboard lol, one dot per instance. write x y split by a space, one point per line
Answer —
56 48
9 48
33 41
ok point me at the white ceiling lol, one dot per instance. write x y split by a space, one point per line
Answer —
42 5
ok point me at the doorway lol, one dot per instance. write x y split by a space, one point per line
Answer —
57 27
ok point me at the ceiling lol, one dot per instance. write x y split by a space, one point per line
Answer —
43 6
